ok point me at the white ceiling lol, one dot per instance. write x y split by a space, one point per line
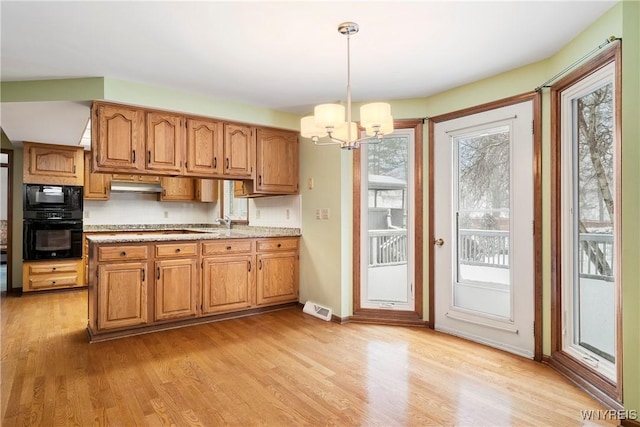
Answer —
286 56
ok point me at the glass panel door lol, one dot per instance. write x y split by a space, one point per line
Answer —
482 222
386 223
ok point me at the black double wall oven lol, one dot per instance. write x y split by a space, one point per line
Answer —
52 226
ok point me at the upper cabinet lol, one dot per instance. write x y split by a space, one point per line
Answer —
53 164
131 140
97 186
117 139
205 151
164 143
277 161
239 146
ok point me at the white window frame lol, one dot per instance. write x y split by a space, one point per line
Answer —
601 77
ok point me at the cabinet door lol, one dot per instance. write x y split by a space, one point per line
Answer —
117 139
206 190
122 295
53 164
164 143
204 148
96 185
176 288
227 283
277 278
177 189
239 146
277 162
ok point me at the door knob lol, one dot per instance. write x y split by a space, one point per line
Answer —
438 242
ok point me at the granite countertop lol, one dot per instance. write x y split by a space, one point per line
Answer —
174 232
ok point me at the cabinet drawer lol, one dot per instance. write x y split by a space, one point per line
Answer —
176 250
111 253
226 247
277 245
49 267
54 281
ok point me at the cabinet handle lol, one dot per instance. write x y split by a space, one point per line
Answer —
53 268
228 248
134 157
53 282
149 158
158 273
143 274
279 245
74 168
227 163
177 250
123 253
215 162
249 266
259 179
260 265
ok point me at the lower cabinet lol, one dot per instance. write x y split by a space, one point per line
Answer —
161 283
46 275
227 283
277 274
176 281
122 295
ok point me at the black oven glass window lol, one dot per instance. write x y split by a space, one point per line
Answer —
53 240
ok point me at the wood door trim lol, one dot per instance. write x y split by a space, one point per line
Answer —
368 315
586 377
9 193
537 202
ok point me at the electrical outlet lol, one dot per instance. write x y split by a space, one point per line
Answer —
166 214
257 213
87 214
286 213
324 213
318 216
310 184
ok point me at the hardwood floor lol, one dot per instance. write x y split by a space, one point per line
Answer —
280 368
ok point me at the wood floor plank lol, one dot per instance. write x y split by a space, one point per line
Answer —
279 368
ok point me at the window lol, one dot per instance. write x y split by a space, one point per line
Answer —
586 223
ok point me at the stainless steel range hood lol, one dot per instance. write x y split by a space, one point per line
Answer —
136 187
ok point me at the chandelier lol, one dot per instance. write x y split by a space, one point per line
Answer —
329 119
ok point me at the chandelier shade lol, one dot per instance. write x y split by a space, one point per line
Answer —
330 120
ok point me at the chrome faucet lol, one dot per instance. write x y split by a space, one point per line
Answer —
226 221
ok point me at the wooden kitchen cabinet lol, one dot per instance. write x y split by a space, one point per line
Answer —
277 158
122 295
228 283
52 164
118 177
206 190
56 274
176 281
277 275
205 149
97 186
164 143
177 189
136 287
239 149
117 139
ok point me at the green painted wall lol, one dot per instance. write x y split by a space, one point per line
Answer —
631 203
52 90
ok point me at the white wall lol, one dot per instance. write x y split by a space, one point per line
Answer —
143 208
276 211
